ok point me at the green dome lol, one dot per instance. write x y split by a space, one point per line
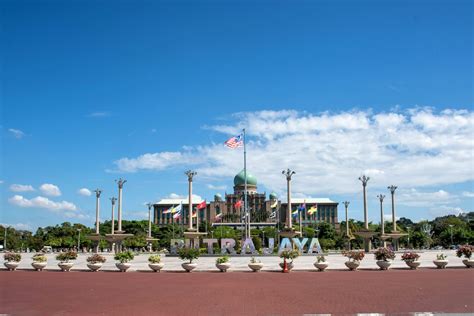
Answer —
273 196
239 179
217 197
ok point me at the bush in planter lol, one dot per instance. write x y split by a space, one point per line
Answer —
410 256
441 256
384 254
39 257
124 257
289 254
12 257
154 259
223 259
320 259
188 254
254 260
354 255
96 258
66 256
465 250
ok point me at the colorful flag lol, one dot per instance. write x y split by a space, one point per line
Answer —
234 142
313 209
274 204
302 207
168 210
177 209
202 205
238 204
273 214
218 217
194 214
177 215
295 212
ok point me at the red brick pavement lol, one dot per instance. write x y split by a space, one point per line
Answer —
236 293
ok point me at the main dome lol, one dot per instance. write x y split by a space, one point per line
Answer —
239 179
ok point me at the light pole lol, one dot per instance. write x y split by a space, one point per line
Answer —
150 205
288 174
408 243
392 189
191 175
364 181
78 239
451 229
382 224
113 200
346 205
120 182
97 207
5 238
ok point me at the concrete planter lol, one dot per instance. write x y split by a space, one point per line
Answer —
469 263
11 265
65 266
440 264
255 267
156 267
189 266
352 265
94 266
223 267
123 267
39 266
321 266
289 265
383 265
413 264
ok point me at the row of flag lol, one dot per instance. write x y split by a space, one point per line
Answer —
177 210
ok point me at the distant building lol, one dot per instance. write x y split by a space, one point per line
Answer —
224 210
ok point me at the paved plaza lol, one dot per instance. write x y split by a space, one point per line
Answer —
239 263
394 292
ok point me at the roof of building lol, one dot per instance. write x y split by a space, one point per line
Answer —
273 196
311 200
239 179
177 201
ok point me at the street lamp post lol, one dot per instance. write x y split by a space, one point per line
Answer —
392 189
364 181
150 205
408 243
346 205
451 229
78 239
113 200
382 224
288 174
191 175
97 207
5 238
120 182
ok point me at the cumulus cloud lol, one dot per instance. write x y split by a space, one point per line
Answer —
184 197
84 192
468 194
216 187
99 114
328 151
1 181
50 189
21 188
16 133
42 202
416 198
18 226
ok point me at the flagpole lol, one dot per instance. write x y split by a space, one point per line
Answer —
247 216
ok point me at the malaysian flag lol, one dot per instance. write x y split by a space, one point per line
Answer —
234 142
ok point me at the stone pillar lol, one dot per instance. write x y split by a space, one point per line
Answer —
382 222
288 173
97 206
149 219
346 205
120 183
190 175
113 199
364 179
392 189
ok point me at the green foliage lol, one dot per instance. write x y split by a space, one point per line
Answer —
222 259
12 257
441 256
124 256
309 232
96 258
39 257
327 244
257 242
354 255
384 254
465 250
154 259
66 256
320 259
289 254
188 254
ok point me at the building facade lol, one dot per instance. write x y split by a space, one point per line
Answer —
227 209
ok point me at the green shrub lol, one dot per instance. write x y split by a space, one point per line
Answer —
154 259
289 254
66 256
39 257
96 258
188 254
222 259
12 257
124 257
384 254
320 259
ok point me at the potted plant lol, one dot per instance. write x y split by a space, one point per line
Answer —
65 260
321 264
255 264
383 255
222 263
411 259
441 262
39 261
124 259
466 251
154 262
188 254
355 258
288 255
12 260
95 262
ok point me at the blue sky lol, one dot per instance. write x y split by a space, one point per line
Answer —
92 91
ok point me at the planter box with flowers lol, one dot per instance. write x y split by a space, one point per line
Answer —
441 262
383 256
39 262
94 262
355 257
288 255
466 251
321 264
222 263
411 259
154 262
188 254
12 260
124 259
65 260
255 265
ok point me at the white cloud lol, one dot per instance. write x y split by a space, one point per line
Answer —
444 210
21 188
417 198
177 196
216 187
1 181
16 133
388 217
42 202
50 189
468 194
329 151
99 114
84 192
18 226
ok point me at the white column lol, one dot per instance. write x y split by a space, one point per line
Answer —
97 206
